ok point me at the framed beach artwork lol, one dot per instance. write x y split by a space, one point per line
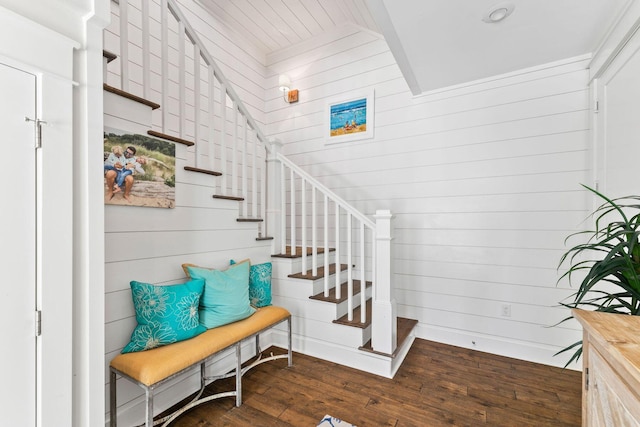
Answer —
138 170
349 117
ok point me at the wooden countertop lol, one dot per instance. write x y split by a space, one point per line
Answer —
617 338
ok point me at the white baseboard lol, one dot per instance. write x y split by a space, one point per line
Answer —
490 344
352 357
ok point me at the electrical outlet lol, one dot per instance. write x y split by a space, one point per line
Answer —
505 310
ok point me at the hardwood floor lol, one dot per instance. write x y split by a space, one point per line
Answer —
436 385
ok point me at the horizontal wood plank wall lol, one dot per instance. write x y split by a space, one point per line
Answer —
483 181
149 245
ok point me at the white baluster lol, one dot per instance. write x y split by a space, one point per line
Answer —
293 213
254 178
363 287
261 211
124 45
196 101
349 269
164 47
223 139
303 222
314 234
181 80
283 210
234 151
326 246
245 147
146 67
211 121
337 263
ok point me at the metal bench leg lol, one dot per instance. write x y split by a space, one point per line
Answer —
238 375
258 345
149 393
290 359
113 409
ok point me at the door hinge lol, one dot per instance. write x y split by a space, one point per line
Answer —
38 323
38 124
596 107
586 378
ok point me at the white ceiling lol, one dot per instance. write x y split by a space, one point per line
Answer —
437 43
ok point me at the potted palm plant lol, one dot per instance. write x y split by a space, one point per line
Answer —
610 260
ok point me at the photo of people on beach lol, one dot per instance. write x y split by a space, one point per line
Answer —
138 170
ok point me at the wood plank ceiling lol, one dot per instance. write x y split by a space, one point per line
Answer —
271 25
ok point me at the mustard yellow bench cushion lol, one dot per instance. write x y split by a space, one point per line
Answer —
151 366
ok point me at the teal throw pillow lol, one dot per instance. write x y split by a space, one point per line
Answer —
165 314
259 284
226 294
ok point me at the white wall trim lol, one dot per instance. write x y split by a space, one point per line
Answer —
469 87
614 42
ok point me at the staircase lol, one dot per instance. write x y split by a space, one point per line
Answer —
331 263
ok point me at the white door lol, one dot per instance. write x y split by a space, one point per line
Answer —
618 124
18 243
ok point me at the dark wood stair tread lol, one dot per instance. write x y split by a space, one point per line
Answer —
171 138
298 253
356 318
405 326
200 170
238 199
130 96
343 293
309 276
109 55
249 219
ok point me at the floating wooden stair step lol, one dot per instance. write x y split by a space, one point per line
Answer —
109 55
343 293
356 318
309 276
405 326
249 219
264 238
130 96
171 138
238 199
207 171
298 253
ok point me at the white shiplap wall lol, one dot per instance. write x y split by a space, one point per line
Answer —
483 181
149 245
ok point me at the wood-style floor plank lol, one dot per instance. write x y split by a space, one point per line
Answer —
437 385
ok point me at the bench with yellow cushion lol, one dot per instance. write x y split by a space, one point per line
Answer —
151 368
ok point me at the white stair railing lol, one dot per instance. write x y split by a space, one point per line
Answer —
234 145
205 109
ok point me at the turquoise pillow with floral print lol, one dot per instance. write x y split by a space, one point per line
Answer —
259 284
165 314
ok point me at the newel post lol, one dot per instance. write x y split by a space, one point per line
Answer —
384 330
274 197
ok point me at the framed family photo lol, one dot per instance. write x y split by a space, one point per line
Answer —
138 170
349 117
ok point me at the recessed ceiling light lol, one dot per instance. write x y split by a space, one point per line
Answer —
498 13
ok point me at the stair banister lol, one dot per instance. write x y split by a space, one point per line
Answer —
343 204
218 73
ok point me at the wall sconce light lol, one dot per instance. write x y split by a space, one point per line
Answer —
284 84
